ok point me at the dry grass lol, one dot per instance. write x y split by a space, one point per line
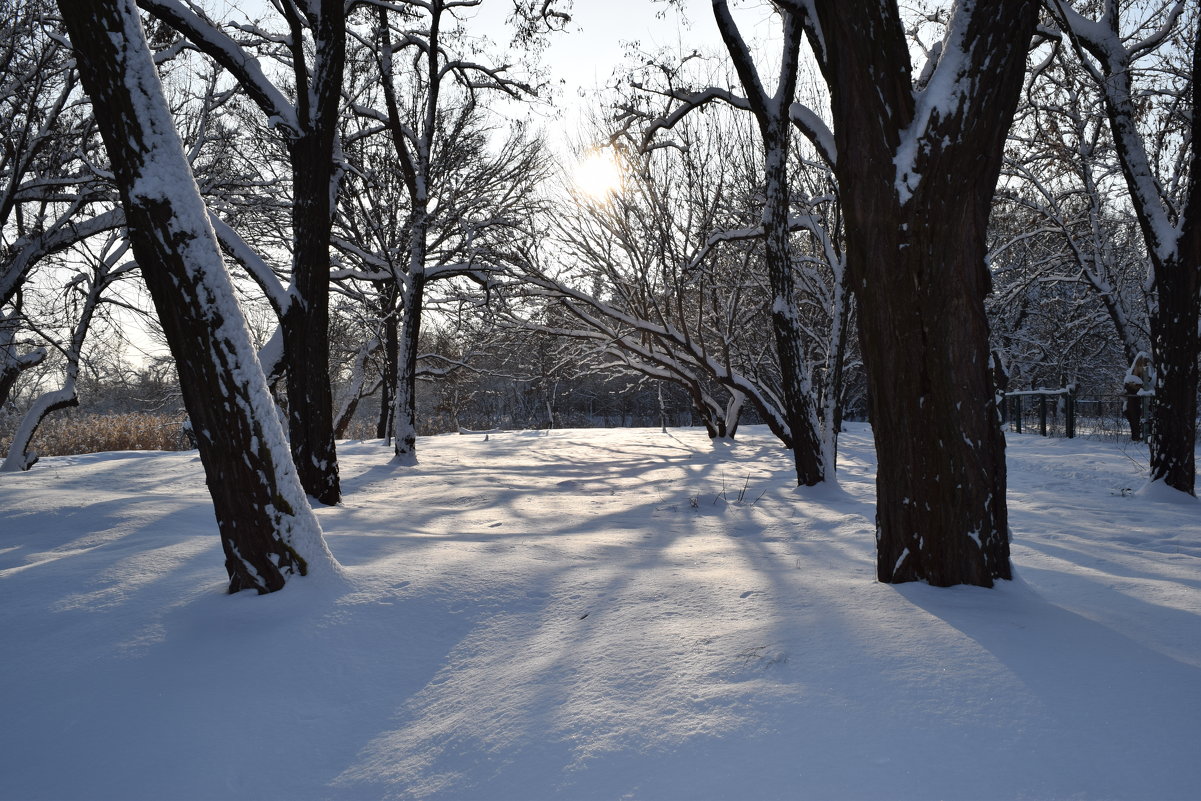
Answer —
65 434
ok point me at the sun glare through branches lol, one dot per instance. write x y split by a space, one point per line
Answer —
598 175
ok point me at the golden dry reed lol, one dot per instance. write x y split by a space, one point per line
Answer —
62 435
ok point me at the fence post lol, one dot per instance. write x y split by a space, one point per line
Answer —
1017 413
1069 412
1042 415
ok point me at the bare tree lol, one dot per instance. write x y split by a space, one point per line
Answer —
1068 261
312 49
268 532
49 198
772 110
431 113
1158 140
663 275
917 159
83 292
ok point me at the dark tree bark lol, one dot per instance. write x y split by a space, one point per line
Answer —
267 530
306 324
916 172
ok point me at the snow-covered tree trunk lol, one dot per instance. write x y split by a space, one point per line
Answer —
796 389
389 298
356 388
1175 252
733 414
268 532
835 367
19 456
917 167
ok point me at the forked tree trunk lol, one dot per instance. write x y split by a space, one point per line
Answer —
1171 228
916 172
316 86
268 531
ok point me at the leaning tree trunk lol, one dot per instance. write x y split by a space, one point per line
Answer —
19 456
267 529
917 168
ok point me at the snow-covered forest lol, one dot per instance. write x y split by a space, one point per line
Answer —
388 286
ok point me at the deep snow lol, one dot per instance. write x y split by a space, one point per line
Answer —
597 614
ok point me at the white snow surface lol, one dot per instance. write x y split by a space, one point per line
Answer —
603 614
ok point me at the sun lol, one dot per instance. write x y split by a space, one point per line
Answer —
598 175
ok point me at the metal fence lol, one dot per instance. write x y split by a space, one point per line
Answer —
1063 413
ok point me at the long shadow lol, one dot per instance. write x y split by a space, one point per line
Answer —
1113 709
535 680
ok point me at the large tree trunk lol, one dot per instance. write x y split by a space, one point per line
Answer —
306 328
1175 349
917 173
940 514
268 531
1175 340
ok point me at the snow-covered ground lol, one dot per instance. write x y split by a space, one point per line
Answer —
600 614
